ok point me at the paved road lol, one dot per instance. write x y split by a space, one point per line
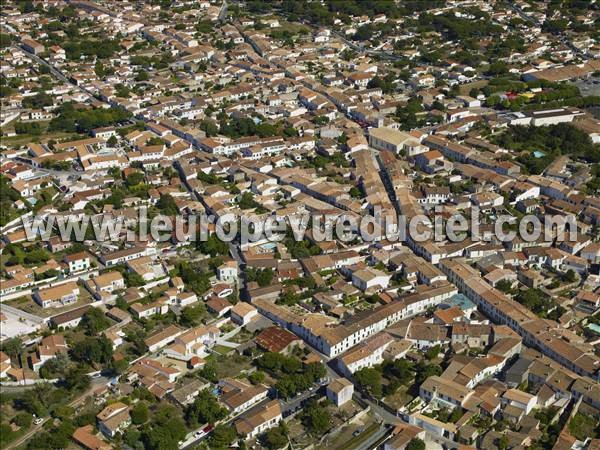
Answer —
95 384
229 423
236 253
23 314
53 70
223 12
57 73
375 439
287 408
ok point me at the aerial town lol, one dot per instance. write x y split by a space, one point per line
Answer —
190 334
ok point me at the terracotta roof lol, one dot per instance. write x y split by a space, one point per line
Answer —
275 339
86 437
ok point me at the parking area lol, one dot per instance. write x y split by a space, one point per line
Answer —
588 87
14 325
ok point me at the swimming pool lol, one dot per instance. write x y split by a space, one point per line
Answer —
269 246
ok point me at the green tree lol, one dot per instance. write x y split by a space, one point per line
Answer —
55 367
369 379
504 286
570 276
286 386
56 438
76 379
112 141
32 128
119 366
205 409
71 119
497 68
265 277
355 192
142 75
23 420
247 201
316 418
165 431
432 352
12 347
38 101
136 178
502 442
425 371
288 297
193 277
167 205
385 84
34 401
408 115
257 377
139 413
275 438
222 436
277 363
401 370
93 350
583 426
209 372
213 246
94 321
415 444
132 438
191 315
209 127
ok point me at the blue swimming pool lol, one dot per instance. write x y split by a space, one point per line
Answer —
270 246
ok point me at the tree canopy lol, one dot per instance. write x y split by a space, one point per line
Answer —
94 321
71 119
205 409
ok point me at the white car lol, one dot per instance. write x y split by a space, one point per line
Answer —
38 421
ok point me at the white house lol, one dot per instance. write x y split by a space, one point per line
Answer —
365 279
228 272
105 284
519 399
340 391
78 261
384 138
63 294
242 313
113 419
366 354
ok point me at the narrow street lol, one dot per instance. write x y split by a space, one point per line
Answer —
95 384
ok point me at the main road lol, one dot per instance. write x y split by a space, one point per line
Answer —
57 73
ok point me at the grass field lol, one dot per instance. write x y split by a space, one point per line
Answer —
222 349
400 398
465 88
230 365
24 139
